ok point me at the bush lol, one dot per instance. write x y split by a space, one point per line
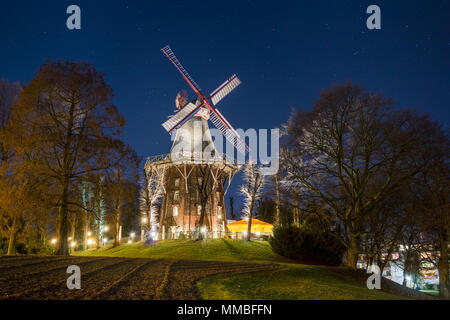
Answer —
306 245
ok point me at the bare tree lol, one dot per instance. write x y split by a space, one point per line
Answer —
351 151
429 207
121 189
251 191
205 186
151 191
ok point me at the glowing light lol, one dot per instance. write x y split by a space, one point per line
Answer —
73 244
69 238
219 216
105 228
90 241
132 235
105 240
203 229
144 220
89 234
53 241
258 233
245 233
129 241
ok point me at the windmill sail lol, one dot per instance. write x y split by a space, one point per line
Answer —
181 117
224 89
169 53
228 131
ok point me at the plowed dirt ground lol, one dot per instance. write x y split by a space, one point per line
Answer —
110 278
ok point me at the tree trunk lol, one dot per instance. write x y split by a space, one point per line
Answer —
12 236
99 237
201 223
352 252
72 232
63 228
85 230
444 281
116 236
249 226
232 208
277 200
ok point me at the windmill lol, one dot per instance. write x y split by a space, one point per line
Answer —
204 106
195 176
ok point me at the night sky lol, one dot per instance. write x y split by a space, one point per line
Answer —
283 52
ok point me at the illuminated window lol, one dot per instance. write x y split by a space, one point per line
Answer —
177 182
175 211
176 196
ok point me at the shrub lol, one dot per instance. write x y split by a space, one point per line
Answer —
307 245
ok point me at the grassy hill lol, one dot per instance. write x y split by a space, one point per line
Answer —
291 281
208 249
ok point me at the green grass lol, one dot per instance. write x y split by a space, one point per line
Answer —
432 292
208 249
290 281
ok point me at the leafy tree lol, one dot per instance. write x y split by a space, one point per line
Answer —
65 115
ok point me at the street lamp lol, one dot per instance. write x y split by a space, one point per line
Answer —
53 241
144 220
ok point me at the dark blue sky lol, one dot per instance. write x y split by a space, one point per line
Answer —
284 53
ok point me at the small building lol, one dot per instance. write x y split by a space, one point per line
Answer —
259 228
